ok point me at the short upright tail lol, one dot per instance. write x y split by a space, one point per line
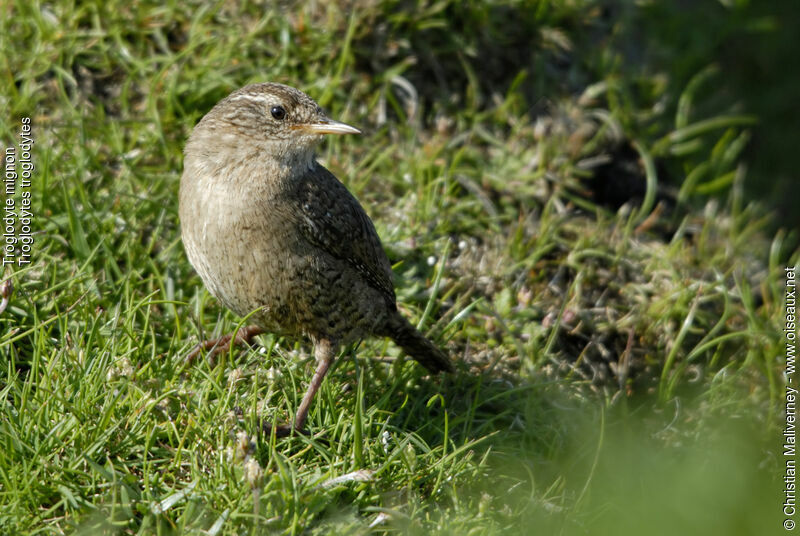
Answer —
417 345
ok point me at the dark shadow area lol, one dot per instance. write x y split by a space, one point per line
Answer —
754 45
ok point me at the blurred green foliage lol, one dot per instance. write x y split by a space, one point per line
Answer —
752 47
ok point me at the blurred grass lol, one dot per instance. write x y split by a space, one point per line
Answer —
576 234
745 49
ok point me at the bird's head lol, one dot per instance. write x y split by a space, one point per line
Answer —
273 120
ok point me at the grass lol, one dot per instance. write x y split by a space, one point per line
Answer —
617 359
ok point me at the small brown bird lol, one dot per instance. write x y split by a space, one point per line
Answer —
271 231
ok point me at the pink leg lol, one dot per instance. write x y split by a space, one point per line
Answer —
324 352
217 346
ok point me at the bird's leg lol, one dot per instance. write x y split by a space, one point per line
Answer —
324 353
221 344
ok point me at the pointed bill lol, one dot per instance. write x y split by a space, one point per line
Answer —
327 126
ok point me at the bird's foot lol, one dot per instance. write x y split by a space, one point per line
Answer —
221 344
281 430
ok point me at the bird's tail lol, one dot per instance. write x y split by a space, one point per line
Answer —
417 345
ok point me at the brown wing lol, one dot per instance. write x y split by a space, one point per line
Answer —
333 220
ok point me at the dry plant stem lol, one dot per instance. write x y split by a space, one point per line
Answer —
6 290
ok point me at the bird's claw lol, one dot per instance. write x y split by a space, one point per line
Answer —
281 430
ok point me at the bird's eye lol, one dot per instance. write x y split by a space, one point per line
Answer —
278 112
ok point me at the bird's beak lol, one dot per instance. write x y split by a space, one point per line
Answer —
326 126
